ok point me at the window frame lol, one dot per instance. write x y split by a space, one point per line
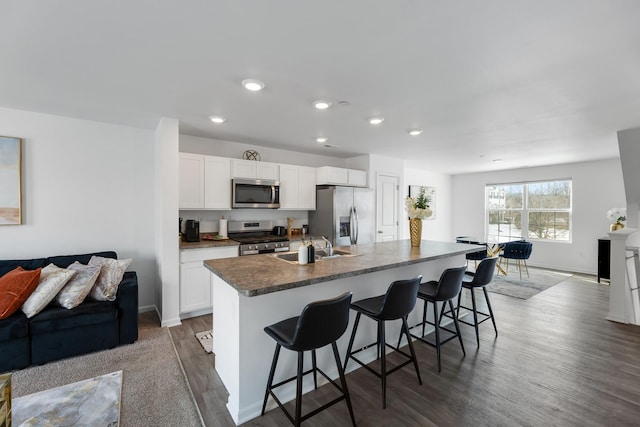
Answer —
525 210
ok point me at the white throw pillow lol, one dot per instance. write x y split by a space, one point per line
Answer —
111 272
52 279
77 289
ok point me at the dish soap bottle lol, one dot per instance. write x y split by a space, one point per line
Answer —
303 255
311 252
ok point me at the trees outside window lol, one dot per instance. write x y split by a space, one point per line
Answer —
533 210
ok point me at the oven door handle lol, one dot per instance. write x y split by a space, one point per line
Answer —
273 194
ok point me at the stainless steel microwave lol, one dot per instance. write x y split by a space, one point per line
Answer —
255 193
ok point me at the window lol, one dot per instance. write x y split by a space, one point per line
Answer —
533 210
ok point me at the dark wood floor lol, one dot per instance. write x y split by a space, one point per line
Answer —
557 361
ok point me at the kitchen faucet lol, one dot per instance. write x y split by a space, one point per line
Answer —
329 246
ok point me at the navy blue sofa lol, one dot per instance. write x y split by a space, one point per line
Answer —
56 332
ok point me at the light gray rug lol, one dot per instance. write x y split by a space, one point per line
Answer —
88 403
539 279
206 340
155 391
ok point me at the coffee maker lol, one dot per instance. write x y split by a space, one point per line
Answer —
191 231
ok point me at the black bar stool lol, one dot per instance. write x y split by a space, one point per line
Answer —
397 303
481 278
443 290
321 323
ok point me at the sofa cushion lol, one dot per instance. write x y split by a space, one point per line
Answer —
66 260
28 264
111 273
77 289
52 280
55 318
14 327
15 288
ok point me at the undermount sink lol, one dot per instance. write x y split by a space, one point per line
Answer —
321 255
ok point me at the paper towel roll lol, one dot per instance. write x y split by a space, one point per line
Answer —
222 227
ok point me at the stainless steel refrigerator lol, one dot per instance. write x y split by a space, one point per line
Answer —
344 215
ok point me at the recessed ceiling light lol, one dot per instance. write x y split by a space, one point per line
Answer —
253 85
321 105
415 132
376 120
217 119
497 160
321 139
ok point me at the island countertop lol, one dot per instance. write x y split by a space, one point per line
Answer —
262 274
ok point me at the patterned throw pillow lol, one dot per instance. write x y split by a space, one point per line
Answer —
111 273
52 279
15 288
77 289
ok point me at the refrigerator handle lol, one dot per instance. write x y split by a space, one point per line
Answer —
354 240
351 226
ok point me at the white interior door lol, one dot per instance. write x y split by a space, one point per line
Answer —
387 208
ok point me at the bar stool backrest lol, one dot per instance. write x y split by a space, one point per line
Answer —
484 272
450 283
400 299
321 323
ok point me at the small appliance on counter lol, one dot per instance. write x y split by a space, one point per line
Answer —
191 231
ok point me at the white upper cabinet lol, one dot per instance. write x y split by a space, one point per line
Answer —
341 176
205 182
217 183
297 187
307 181
252 169
191 184
357 178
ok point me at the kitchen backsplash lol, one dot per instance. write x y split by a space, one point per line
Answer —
209 219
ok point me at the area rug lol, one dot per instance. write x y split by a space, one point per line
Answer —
206 340
155 391
88 403
539 279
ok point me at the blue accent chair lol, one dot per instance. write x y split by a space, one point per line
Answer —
520 251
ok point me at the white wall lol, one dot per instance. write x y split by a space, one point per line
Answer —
597 187
166 220
86 187
439 228
234 150
629 146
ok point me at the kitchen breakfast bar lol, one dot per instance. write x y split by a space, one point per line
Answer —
252 292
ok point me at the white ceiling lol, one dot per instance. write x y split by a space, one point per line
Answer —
530 82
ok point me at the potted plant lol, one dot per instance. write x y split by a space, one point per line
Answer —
417 209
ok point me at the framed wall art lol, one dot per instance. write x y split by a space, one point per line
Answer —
10 180
430 192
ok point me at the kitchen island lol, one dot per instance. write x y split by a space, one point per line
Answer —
252 292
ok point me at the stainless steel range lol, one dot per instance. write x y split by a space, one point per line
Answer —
256 237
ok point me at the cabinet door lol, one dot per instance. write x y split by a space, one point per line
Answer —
336 175
217 183
191 182
357 178
306 188
289 187
195 287
267 171
243 169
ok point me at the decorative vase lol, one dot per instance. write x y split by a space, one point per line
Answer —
616 226
415 230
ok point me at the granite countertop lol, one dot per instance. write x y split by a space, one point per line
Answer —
278 275
207 243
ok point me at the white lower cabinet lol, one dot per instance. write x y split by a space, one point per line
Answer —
195 279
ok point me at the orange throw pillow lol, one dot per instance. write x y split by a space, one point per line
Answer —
15 288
